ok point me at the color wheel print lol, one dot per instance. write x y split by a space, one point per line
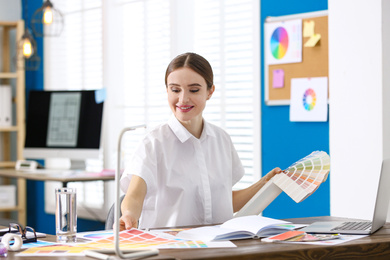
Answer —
309 99
279 43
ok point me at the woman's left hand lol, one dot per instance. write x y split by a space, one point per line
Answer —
272 173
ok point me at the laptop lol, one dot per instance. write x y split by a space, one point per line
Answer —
361 227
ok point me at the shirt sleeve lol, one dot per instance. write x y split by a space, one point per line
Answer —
237 169
142 164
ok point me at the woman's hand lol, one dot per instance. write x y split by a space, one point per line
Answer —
271 174
127 221
131 206
241 197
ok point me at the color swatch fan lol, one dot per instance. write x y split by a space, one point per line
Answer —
299 181
304 177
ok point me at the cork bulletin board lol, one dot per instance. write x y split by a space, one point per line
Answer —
314 60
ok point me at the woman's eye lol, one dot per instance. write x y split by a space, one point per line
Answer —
175 90
194 90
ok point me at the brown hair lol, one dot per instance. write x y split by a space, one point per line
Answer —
195 62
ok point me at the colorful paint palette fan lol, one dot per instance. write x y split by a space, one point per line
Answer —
303 178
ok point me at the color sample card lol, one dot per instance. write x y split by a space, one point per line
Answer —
283 42
303 178
129 239
133 238
309 99
285 236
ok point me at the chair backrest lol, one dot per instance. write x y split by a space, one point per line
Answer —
110 216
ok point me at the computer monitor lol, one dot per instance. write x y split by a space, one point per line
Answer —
64 124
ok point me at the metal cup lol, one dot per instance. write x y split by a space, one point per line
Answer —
66 216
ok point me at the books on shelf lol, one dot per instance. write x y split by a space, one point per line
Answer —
239 228
303 178
5 105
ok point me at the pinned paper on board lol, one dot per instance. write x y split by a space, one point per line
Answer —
283 42
314 39
278 78
308 28
309 99
100 95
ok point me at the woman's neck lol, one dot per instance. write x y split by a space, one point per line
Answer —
194 126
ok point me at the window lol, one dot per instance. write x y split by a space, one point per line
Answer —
226 34
140 38
74 60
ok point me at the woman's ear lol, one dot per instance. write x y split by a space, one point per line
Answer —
211 91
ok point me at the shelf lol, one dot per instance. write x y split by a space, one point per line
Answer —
8 75
13 144
7 164
9 128
7 23
9 209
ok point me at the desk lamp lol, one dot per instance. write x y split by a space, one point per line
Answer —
141 253
137 253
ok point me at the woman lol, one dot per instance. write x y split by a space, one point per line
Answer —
184 170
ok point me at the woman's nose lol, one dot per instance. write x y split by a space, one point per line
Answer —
184 97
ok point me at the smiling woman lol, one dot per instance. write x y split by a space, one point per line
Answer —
183 171
188 90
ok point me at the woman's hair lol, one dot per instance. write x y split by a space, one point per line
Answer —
195 62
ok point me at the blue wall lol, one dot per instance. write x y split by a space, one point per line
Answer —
36 216
285 142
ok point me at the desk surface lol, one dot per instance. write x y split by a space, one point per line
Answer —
376 246
75 176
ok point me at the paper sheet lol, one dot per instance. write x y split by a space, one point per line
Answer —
283 42
308 28
309 99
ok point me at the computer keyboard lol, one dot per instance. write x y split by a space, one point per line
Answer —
353 225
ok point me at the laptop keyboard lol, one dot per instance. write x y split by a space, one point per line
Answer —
353 226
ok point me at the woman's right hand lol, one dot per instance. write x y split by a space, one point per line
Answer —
127 221
132 203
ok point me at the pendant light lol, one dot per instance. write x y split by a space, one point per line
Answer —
28 44
27 47
47 21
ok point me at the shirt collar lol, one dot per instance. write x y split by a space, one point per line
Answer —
182 133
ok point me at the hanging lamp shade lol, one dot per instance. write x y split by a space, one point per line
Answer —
47 21
27 52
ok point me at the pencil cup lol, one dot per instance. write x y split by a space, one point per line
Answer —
66 216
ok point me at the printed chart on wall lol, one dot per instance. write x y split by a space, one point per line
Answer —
283 42
309 99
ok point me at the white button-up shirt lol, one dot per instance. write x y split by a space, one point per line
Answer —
189 181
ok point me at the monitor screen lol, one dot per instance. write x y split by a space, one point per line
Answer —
63 124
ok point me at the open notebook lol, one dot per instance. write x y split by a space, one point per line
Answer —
361 227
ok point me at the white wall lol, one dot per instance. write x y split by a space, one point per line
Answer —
10 10
358 62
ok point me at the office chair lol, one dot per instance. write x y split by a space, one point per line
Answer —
111 216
